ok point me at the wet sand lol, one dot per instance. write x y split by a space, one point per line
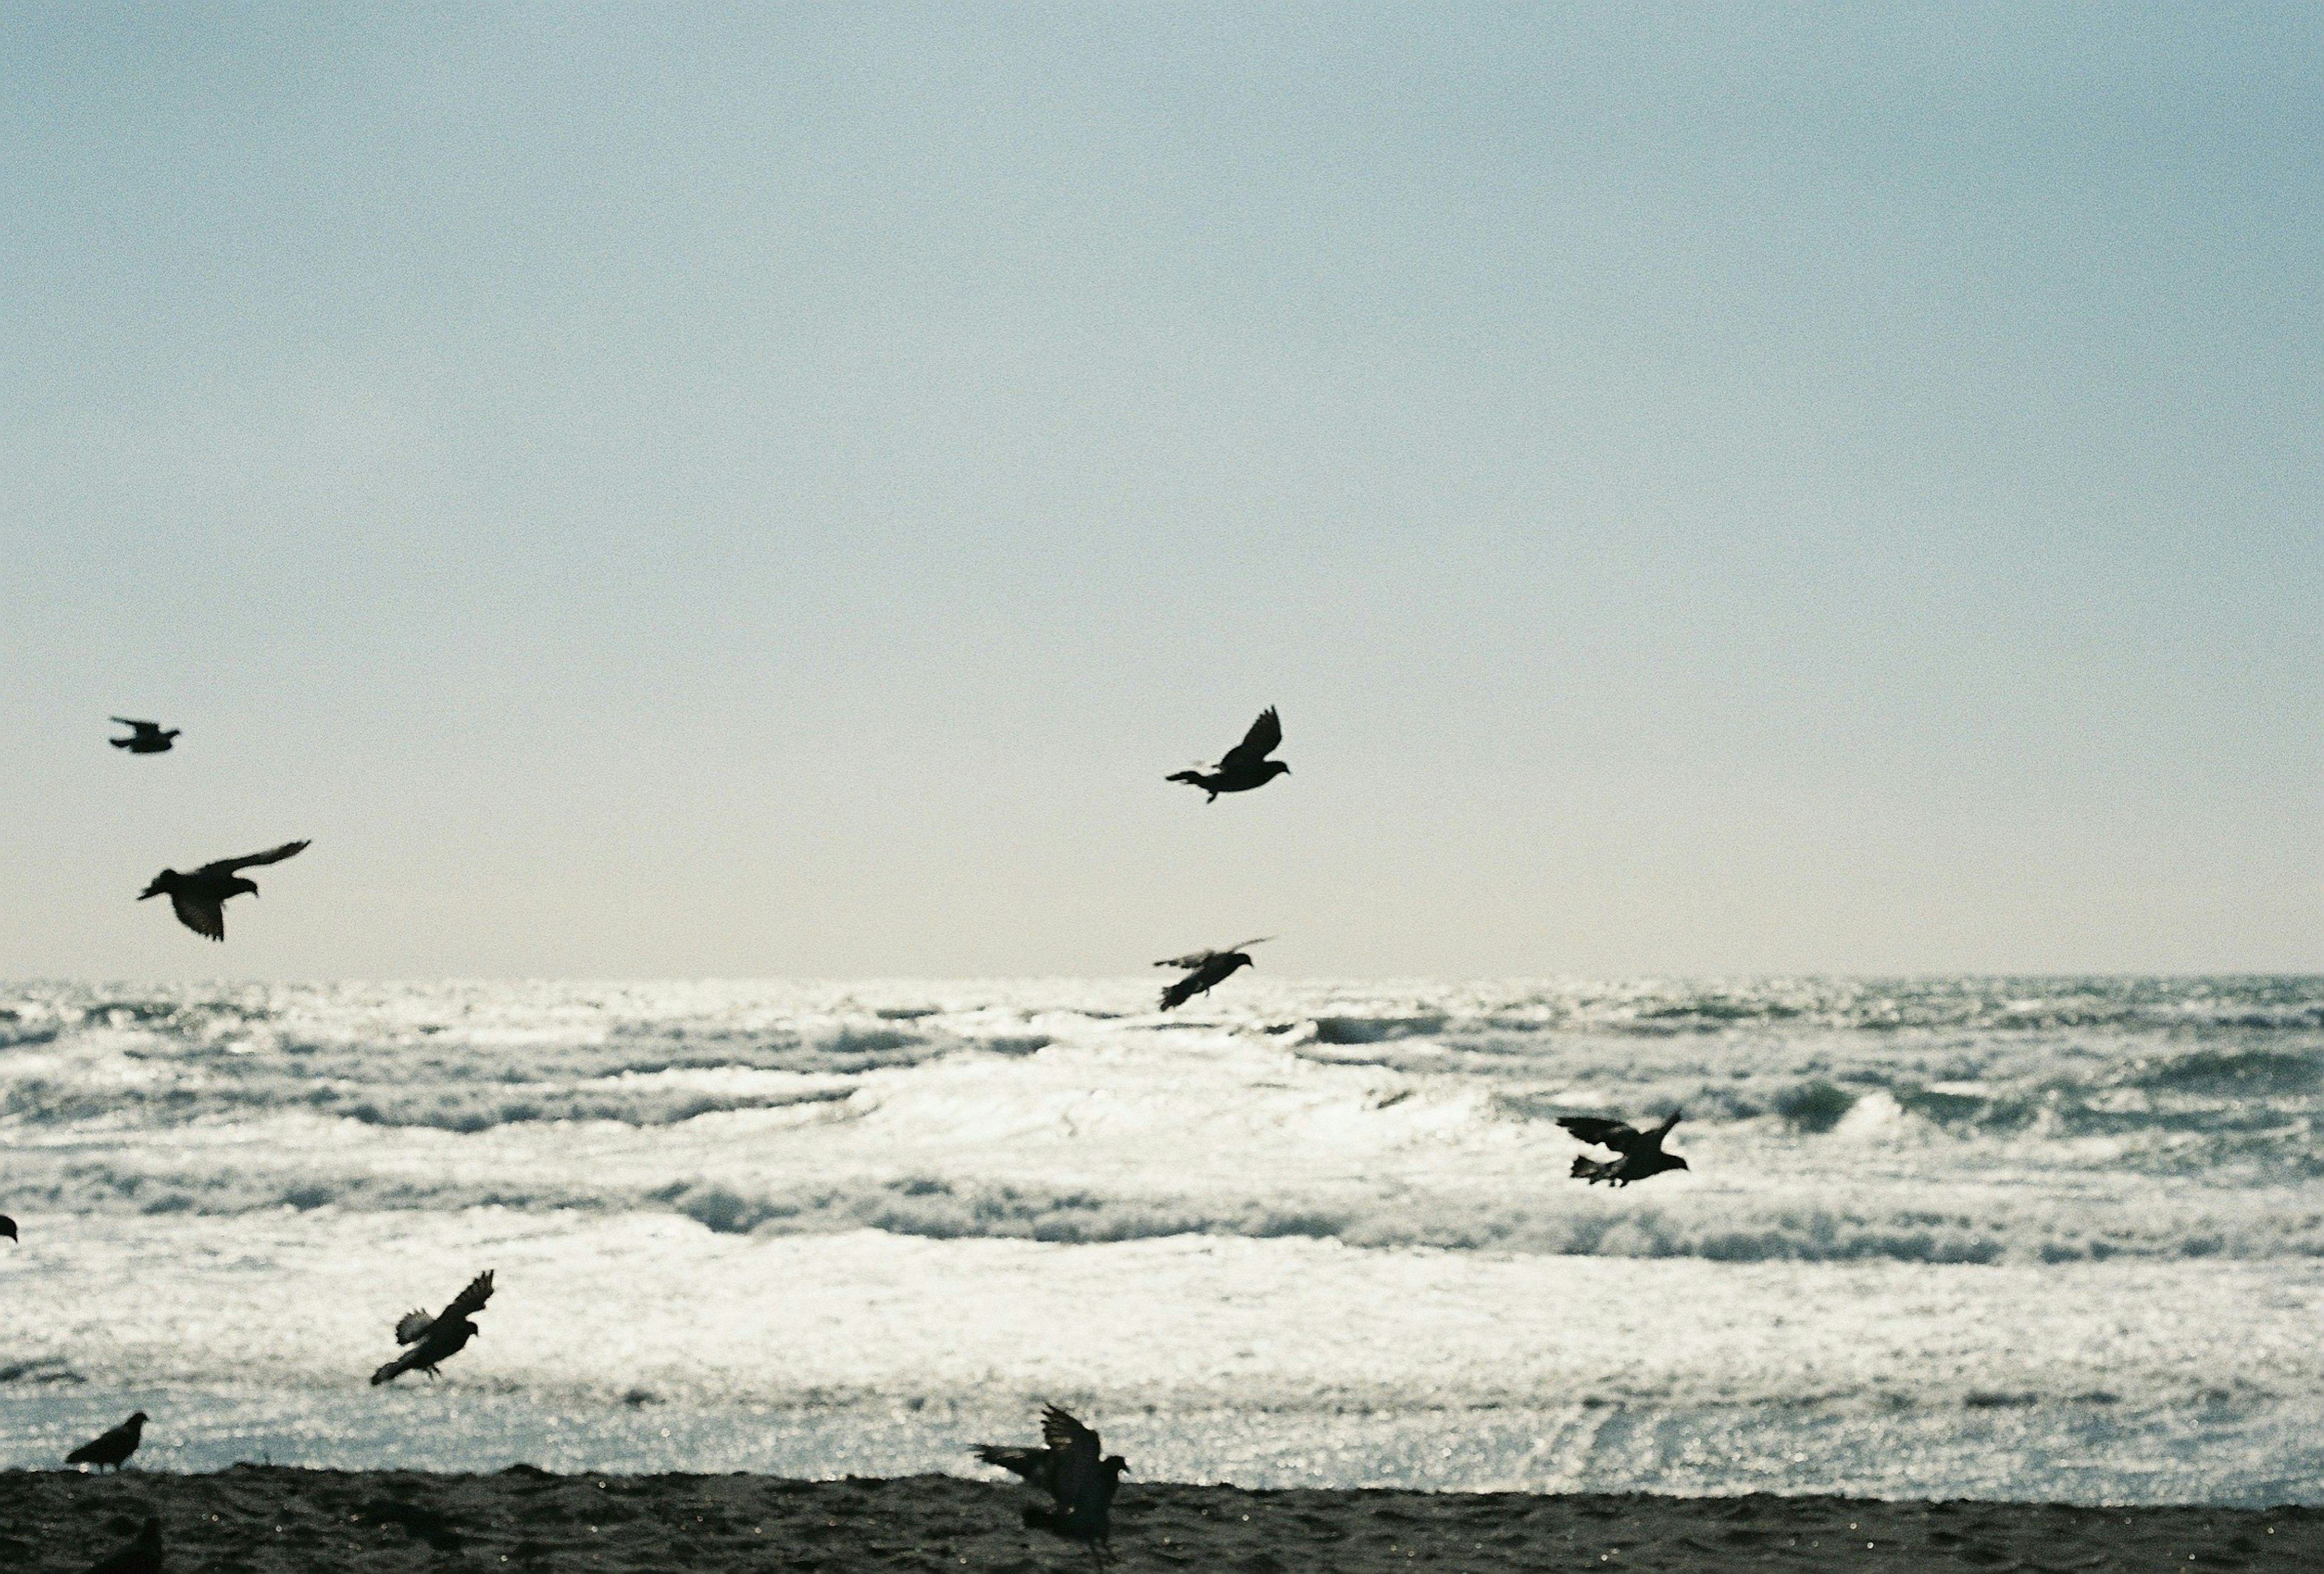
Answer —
266 1519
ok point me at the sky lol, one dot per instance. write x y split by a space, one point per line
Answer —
679 491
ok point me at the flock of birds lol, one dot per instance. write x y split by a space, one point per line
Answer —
1070 1467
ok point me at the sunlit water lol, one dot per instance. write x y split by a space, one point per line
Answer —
1991 1238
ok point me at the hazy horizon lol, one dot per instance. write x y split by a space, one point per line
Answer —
1714 493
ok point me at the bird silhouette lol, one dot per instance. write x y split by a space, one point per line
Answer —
437 1338
1246 765
145 737
199 898
142 1555
1204 969
111 1448
1073 1469
8 1226
1638 1155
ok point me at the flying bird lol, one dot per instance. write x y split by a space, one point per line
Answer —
1074 1470
145 737
200 897
8 1226
1246 765
437 1338
1638 1155
113 1447
142 1555
1204 969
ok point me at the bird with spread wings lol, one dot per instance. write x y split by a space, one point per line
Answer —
437 1338
1073 1468
1204 969
199 898
145 737
1246 765
1638 1154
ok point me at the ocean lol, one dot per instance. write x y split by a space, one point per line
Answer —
2018 1239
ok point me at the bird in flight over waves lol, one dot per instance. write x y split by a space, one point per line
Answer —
145 737
1246 765
1204 969
1073 1469
200 897
142 1555
1638 1155
437 1338
113 1447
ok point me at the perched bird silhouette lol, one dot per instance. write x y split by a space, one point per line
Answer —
113 1447
1073 1469
200 897
145 737
1204 969
142 1555
1637 1153
1246 765
437 1338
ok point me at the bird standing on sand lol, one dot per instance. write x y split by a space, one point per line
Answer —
437 1338
200 897
1204 969
142 1555
113 1447
1073 1469
1246 765
145 737
1637 1153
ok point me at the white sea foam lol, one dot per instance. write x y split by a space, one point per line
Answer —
1975 1232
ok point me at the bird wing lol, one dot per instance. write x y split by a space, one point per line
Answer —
1177 994
202 915
1655 1137
1037 1465
1261 741
471 1300
413 1327
271 855
1617 1134
140 726
1192 960
1077 1451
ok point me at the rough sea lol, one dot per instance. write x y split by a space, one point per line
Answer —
1990 1237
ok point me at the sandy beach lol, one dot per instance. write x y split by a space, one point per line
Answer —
265 1519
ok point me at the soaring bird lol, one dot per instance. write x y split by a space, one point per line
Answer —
200 897
437 1338
142 1555
1637 1153
113 1447
1246 765
1073 1469
1204 969
145 737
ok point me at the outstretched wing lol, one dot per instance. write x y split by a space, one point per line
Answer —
1614 1134
1076 1450
202 915
1258 743
1655 1137
1191 961
471 1301
271 855
140 726
1060 1431
413 1327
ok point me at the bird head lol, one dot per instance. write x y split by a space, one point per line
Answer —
469 1323
138 1419
238 885
1680 1162
1115 1466
1275 768
158 884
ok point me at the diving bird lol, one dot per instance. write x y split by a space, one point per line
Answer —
1637 1153
1246 765
1204 969
145 737
437 1338
142 1555
1073 1469
113 1447
200 897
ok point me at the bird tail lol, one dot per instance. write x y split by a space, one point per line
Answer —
81 1456
121 743
1040 1517
1191 777
393 1369
1593 1170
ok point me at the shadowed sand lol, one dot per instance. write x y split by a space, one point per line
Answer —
265 1520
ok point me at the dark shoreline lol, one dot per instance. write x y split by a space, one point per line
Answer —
265 1519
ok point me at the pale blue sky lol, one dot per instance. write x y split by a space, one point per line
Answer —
667 491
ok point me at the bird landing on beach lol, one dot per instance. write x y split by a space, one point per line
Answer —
145 737
1246 765
142 1555
1204 969
113 1447
199 898
1072 1467
1638 1155
437 1338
